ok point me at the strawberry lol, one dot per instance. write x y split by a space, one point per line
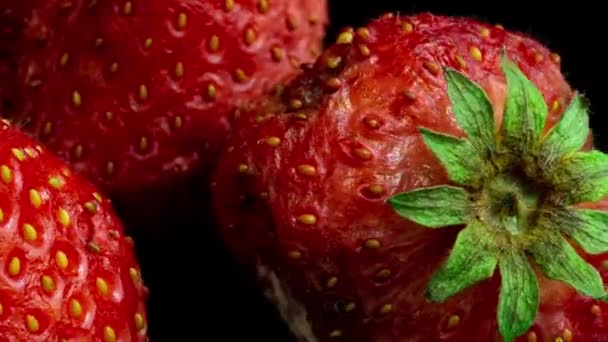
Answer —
68 272
420 182
137 94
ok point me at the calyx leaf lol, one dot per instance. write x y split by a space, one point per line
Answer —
434 207
544 176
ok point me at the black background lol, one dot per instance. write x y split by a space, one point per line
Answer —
203 296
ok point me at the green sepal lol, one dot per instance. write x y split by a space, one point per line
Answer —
525 111
458 157
570 133
582 176
558 260
473 110
519 299
470 261
589 228
434 207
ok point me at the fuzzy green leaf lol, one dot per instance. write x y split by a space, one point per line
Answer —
558 260
589 228
457 156
519 296
434 207
582 176
473 111
570 133
470 261
525 111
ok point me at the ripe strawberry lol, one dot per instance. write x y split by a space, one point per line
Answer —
68 272
312 190
136 94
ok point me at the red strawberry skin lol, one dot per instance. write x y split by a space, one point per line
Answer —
136 94
303 191
67 270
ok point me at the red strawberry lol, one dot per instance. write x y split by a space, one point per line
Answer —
68 272
136 94
314 197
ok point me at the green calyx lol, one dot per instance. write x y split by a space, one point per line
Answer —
515 191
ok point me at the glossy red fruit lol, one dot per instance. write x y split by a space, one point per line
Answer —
301 189
136 94
67 271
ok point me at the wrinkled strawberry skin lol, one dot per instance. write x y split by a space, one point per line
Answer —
302 189
137 94
67 269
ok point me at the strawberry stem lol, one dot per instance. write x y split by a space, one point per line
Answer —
514 195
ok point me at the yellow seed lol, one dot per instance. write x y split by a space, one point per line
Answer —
214 43
350 307
109 335
56 182
98 42
294 255
1 309
243 168
453 321
179 69
47 283
461 62
35 198
63 217
345 38
335 333
407 27
75 308
363 32
484 32
14 266
6 174
76 98
31 152
292 24
555 58
29 232
211 91
64 59
307 170
93 247
32 323
433 68
18 153
128 8
386 308
538 57
249 36
134 276
140 321
334 62
229 5
372 243
182 20
110 167
555 106
263 6
559 339
102 286
295 104
331 282
78 150
307 219
143 143
143 92
61 260
1 215
475 53
363 153
277 53
113 67
384 273
240 75
177 122
97 196
596 310
273 141
567 335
